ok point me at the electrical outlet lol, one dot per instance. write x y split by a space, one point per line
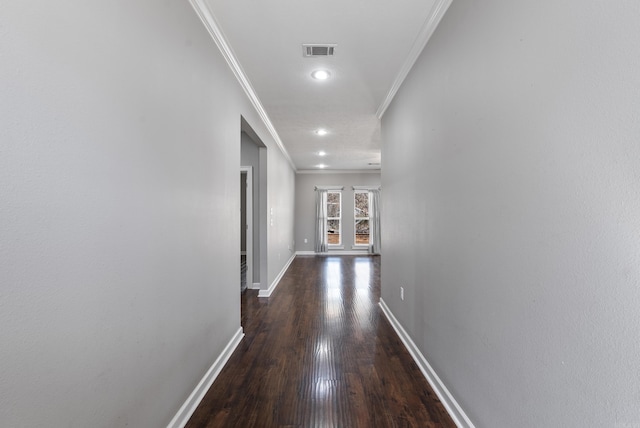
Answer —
401 293
306 240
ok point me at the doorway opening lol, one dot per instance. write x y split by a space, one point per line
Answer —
253 182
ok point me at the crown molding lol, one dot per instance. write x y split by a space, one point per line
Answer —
208 19
429 26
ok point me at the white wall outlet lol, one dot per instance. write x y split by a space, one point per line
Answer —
401 293
306 240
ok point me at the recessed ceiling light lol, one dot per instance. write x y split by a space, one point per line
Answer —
321 166
322 153
320 74
321 131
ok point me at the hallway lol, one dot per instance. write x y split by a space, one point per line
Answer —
319 353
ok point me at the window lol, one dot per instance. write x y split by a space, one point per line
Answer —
334 225
361 217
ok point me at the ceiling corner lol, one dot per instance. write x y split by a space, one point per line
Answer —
208 19
431 23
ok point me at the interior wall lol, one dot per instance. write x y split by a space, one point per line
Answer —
511 210
250 156
280 216
263 220
119 226
243 212
306 204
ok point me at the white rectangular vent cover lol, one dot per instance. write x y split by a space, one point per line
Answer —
311 50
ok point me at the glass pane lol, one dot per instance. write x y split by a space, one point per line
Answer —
333 204
333 210
361 205
333 232
362 232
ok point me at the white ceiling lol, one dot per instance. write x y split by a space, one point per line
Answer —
374 39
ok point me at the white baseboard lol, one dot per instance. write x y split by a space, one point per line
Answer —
274 284
448 401
334 253
255 286
182 417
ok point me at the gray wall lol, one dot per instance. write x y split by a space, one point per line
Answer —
511 210
306 204
243 211
119 226
250 156
281 204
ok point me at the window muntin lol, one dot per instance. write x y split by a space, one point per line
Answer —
334 220
362 233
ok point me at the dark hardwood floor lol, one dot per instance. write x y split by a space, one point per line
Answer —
320 353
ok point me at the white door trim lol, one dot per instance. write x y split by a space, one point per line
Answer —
249 232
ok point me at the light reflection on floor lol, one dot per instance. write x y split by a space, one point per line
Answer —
347 315
333 284
319 354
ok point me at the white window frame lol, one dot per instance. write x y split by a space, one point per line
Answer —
355 218
339 218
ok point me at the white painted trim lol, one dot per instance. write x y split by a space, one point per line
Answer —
334 253
274 284
248 243
334 188
182 417
208 19
429 26
363 247
365 188
449 402
338 171
255 286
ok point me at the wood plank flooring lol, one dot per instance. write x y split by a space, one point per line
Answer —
319 353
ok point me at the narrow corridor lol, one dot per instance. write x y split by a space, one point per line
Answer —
319 353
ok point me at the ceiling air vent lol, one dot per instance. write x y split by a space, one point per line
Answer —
312 50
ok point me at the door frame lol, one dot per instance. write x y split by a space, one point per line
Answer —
248 170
